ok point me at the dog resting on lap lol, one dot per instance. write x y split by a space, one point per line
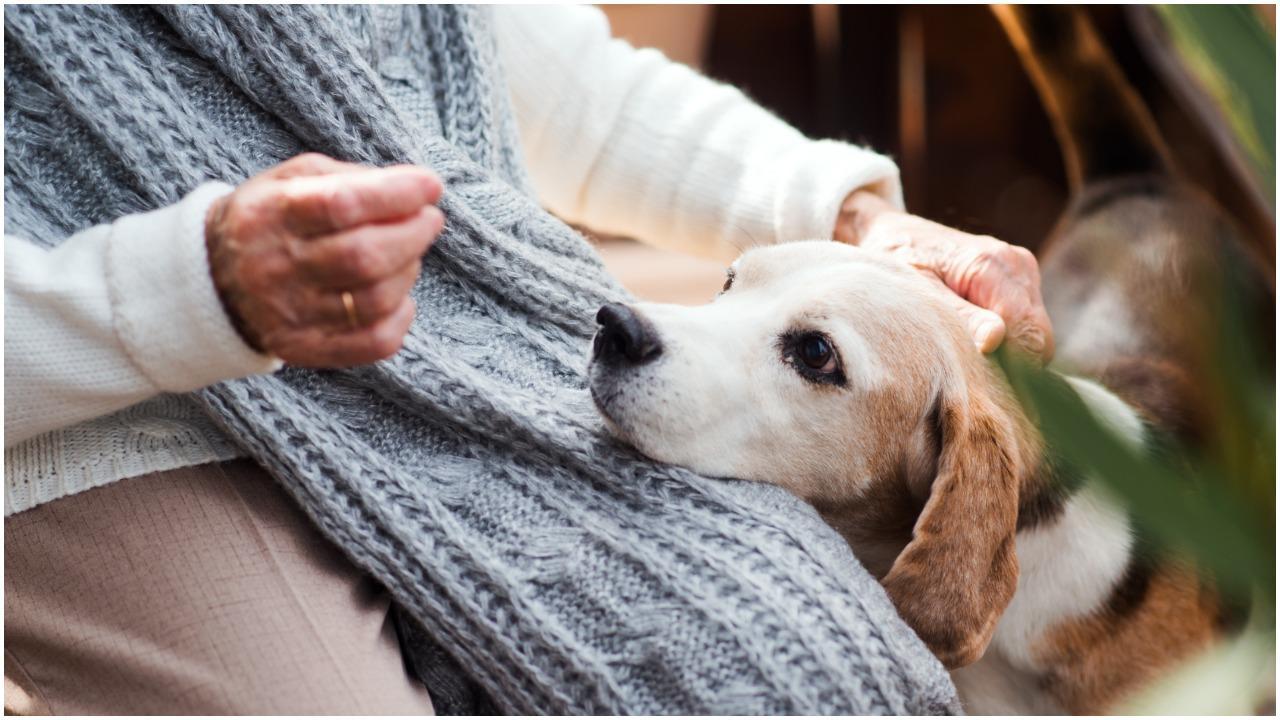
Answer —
843 376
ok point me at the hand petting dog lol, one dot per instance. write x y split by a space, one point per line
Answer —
995 286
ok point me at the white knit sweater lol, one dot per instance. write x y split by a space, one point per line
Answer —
104 332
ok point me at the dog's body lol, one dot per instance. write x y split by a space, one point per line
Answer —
843 376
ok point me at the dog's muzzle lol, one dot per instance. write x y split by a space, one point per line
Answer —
625 337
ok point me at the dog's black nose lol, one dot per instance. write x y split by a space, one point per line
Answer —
625 337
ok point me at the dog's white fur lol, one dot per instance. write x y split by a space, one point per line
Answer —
724 400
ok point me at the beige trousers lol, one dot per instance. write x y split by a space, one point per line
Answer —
196 591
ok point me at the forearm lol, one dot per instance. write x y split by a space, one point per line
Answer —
114 315
628 142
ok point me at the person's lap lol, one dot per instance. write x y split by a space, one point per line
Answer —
200 590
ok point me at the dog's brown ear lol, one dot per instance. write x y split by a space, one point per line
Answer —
954 579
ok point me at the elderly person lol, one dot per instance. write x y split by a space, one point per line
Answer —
150 567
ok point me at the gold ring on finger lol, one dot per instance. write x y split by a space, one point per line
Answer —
349 302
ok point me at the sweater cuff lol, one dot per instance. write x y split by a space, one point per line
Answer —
165 308
824 173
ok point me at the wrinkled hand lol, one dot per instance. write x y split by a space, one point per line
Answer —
286 245
995 286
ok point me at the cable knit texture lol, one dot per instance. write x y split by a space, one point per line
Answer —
541 567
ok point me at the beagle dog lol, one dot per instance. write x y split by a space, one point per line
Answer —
841 375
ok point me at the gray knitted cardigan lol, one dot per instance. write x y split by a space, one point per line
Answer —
537 564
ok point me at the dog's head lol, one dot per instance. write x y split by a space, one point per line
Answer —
839 374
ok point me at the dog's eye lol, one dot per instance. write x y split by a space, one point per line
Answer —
813 356
728 280
815 351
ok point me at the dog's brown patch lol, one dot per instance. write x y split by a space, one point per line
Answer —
1162 616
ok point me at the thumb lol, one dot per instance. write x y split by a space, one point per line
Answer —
985 327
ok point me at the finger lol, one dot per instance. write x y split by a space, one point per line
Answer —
1032 334
369 304
986 328
323 204
368 254
325 348
308 164
1028 330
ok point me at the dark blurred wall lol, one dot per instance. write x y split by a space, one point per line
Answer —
941 90
937 87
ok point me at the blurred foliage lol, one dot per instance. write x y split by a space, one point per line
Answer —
1233 55
1231 679
1214 504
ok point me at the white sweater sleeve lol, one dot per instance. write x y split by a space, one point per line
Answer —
625 141
112 316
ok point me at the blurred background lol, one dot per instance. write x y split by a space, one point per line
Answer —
939 89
